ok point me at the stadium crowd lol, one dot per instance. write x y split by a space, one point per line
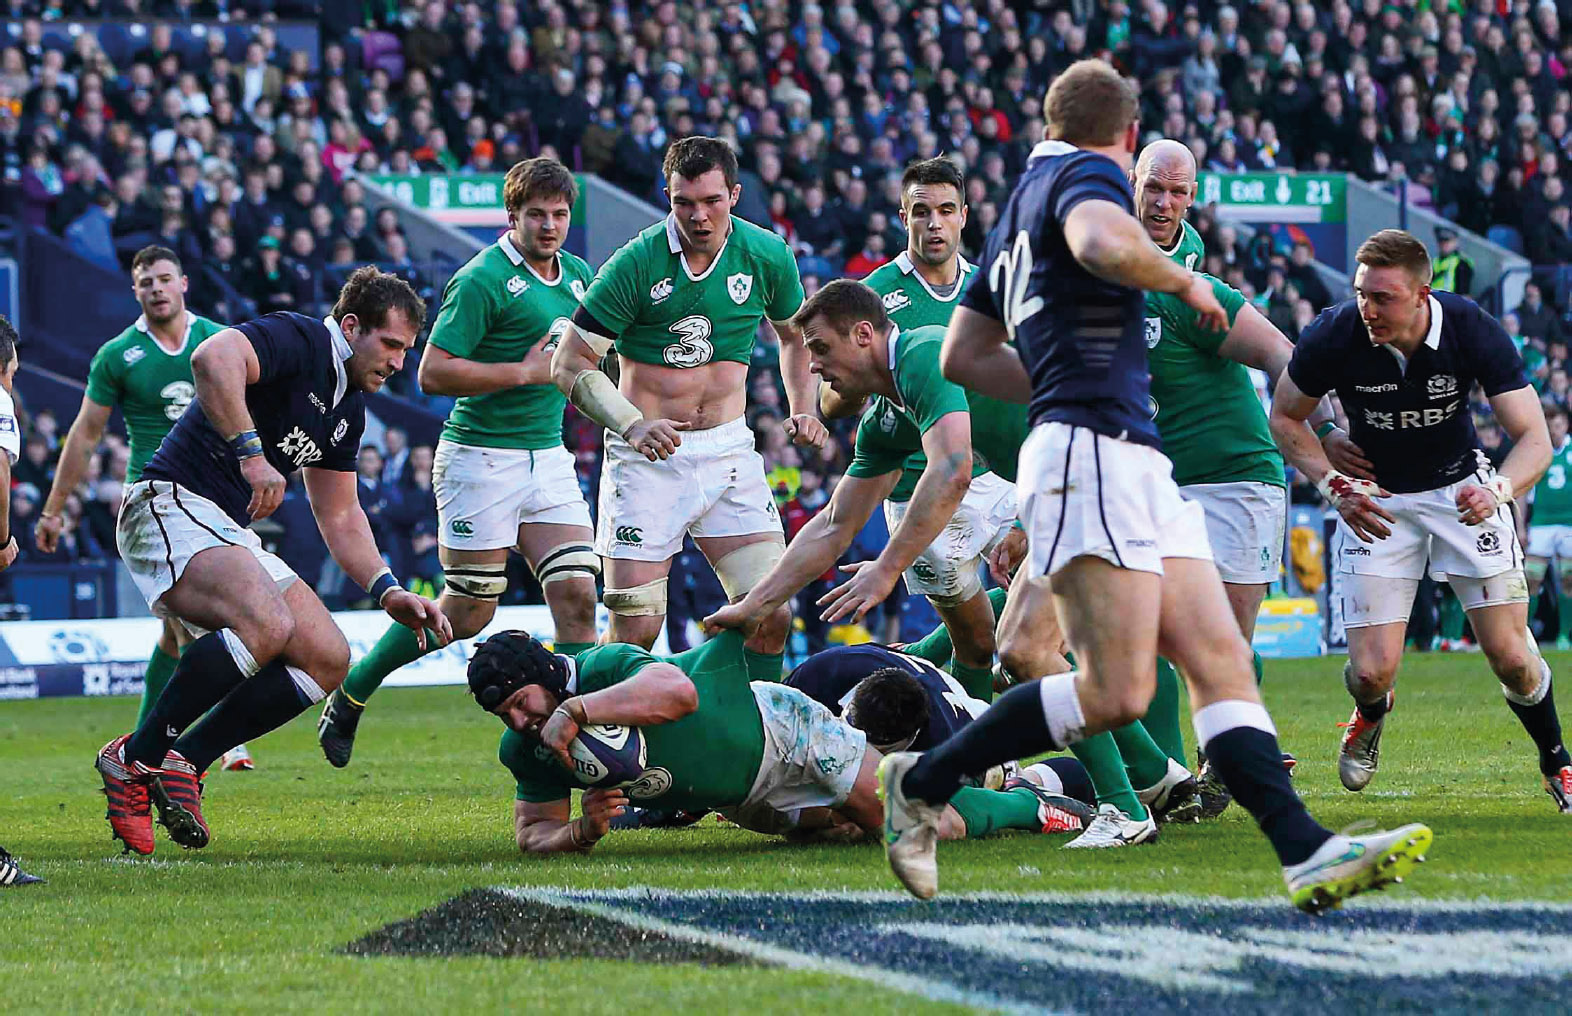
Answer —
238 153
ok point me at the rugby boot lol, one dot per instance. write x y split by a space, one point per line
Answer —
336 728
177 793
1559 786
1114 828
911 828
11 873
1346 866
1361 748
130 813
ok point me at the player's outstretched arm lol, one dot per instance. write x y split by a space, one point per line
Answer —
803 426
442 373
83 437
347 533
545 828
937 496
977 354
658 693
816 548
1523 420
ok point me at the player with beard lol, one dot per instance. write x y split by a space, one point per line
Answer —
146 372
503 480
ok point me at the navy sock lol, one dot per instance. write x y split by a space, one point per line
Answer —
1013 727
205 674
1251 766
1077 782
1373 711
1544 726
260 705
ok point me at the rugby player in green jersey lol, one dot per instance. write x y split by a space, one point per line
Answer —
919 288
681 304
761 753
146 371
502 478
1550 523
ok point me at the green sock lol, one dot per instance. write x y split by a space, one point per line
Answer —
987 811
394 649
1260 669
1100 755
571 648
1144 762
1564 605
160 668
764 666
1451 616
1162 716
978 681
936 648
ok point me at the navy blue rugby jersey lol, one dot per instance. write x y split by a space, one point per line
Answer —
829 678
1411 418
302 406
1081 338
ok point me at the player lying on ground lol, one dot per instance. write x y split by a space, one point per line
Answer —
764 755
274 395
501 476
681 304
1403 360
1056 319
146 372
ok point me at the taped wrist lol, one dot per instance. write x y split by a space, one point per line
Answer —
1501 487
1336 487
595 396
246 444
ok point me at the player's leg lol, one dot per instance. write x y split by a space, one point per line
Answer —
1563 558
562 556
645 510
161 665
970 623
635 595
740 562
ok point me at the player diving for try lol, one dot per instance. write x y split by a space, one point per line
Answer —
681 303
762 754
146 371
1403 359
281 393
1056 320
502 478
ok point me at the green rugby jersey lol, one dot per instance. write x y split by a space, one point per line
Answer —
495 310
151 385
891 431
1213 426
661 313
1553 492
708 759
1188 250
911 303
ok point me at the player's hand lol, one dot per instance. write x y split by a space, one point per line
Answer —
558 732
656 439
740 616
1354 500
869 585
9 553
418 613
535 368
1007 555
806 429
1476 503
1209 312
1347 457
600 806
46 532
267 486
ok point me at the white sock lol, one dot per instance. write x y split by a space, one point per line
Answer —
1062 708
1220 717
1047 778
1536 696
238 652
309 689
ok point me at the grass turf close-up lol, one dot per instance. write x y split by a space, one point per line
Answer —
306 860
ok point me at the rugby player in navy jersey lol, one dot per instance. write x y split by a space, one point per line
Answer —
1055 317
281 393
1403 360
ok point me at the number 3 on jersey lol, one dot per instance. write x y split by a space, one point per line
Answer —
1009 277
695 347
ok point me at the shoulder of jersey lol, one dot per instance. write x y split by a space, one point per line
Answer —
887 274
576 264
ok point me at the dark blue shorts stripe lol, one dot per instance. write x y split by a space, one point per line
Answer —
1064 503
1097 456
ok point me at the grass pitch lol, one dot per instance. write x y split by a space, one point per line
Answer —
306 859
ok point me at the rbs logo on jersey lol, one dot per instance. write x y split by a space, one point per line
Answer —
300 449
1410 418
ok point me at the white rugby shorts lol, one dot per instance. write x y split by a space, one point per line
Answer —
811 760
162 526
485 494
1550 541
713 486
1244 524
1085 493
982 520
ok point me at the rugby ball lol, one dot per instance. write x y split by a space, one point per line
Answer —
607 755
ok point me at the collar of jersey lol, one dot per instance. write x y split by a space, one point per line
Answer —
506 246
341 352
1169 252
904 262
674 244
895 337
1433 336
1045 149
185 336
573 672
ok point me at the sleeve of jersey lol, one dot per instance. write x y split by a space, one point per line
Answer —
924 389
1499 364
1091 180
539 781
1233 302
343 456
874 454
10 432
979 295
463 319
612 297
785 285
1311 368
103 380
610 664
282 350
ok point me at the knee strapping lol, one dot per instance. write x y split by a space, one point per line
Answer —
967 585
647 600
741 570
478 581
568 561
